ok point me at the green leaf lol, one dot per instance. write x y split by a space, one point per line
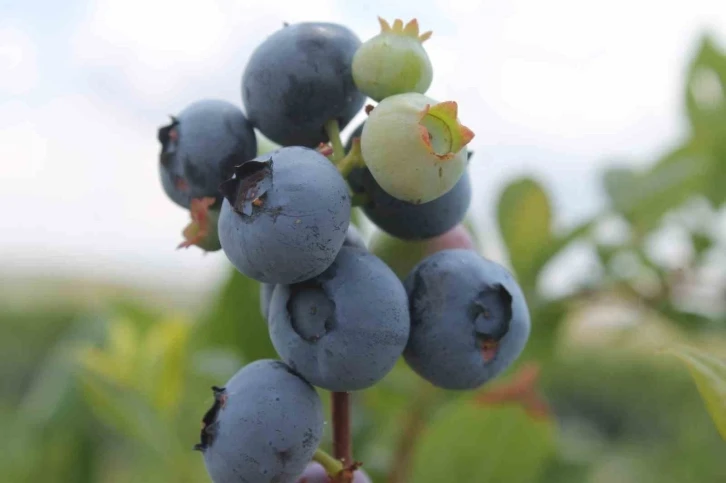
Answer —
709 373
644 197
706 86
466 442
706 106
525 221
619 183
235 321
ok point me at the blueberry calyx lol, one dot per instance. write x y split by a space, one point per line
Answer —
209 421
250 181
311 311
493 314
168 136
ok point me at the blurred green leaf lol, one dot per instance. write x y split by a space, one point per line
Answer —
235 322
525 220
466 442
706 86
619 183
706 107
644 197
127 413
709 373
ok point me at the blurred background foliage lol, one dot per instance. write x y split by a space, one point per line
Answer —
624 378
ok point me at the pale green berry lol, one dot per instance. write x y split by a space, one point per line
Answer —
414 147
393 62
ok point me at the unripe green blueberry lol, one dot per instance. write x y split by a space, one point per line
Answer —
393 62
414 147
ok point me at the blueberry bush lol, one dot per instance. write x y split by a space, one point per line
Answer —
362 335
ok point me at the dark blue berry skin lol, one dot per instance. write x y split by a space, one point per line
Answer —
407 220
266 290
298 79
285 216
345 329
353 238
416 222
265 426
469 319
200 148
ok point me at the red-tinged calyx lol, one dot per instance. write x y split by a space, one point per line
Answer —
324 149
197 232
489 348
441 131
411 29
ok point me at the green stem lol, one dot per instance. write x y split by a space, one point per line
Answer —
332 129
352 160
331 465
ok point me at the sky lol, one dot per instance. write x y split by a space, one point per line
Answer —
555 89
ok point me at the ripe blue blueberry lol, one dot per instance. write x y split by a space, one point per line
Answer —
200 148
266 290
469 319
415 222
264 426
344 329
298 79
285 215
353 238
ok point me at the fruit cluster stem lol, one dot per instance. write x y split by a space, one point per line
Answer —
342 440
332 129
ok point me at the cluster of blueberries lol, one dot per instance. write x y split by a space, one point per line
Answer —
338 316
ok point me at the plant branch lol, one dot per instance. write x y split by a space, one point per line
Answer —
415 423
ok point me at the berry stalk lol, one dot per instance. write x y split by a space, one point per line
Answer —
342 440
352 160
332 129
331 465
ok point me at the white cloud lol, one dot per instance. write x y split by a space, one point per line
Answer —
18 65
164 48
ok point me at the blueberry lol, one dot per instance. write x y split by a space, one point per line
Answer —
285 215
353 238
393 62
344 329
266 290
410 221
315 473
264 426
469 319
414 147
298 79
200 148
415 222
